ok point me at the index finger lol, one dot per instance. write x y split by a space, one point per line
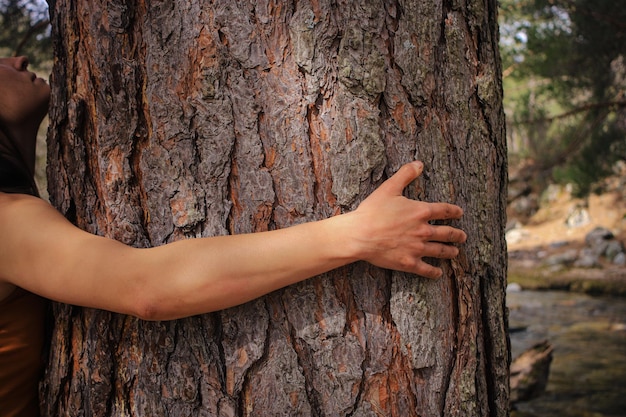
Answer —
443 211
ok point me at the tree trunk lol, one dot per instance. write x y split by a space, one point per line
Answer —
181 119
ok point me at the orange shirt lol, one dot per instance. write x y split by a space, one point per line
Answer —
22 317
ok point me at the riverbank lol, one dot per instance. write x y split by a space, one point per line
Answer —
548 239
566 287
606 281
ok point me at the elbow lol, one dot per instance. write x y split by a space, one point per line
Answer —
148 311
159 306
140 285
146 305
146 296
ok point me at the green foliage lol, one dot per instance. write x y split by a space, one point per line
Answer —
25 30
566 61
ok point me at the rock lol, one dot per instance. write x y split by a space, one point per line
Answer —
551 194
620 259
597 235
564 258
578 217
588 259
602 243
513 287
515 236
525 206
530 371
558 244
599 248
613 249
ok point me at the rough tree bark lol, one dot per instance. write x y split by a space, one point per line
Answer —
179 119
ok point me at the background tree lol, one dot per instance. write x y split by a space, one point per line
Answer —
180 119
25 30
567 85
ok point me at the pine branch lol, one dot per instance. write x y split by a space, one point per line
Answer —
577 110
37 27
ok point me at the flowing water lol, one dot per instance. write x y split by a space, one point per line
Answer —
588 371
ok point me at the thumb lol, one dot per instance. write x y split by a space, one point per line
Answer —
401 179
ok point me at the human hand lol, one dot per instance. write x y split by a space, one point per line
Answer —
394 232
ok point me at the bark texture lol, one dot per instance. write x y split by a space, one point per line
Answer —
180 119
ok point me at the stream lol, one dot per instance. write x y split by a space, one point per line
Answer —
588 371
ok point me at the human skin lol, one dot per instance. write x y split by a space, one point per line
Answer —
23 104
202 275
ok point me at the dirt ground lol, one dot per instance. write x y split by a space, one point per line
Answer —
549 225
547 233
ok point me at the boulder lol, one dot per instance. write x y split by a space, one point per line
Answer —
602 243
530 371
588 258
567 258
620 259
614 248
578 217
598 236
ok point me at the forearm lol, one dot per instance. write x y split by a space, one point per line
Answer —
201 275
170 281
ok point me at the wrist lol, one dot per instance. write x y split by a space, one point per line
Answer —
342 235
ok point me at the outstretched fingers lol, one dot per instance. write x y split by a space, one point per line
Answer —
427 270
439 250
408 173
400 233
443 211
447 234
433 250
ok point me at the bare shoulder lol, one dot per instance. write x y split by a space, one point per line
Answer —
21 210
24 222
6 198
12 203
24 218
11 212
